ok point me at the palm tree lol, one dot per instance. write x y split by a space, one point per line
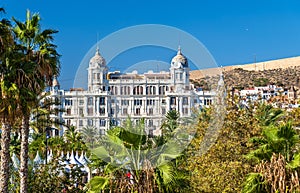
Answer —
128 149
35 70
90 135
168 126
74 139
280 139
267 115
276 142
9 96
171 121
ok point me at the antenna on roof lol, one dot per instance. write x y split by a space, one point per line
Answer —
97 40
178 38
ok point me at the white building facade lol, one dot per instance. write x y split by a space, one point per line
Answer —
112 97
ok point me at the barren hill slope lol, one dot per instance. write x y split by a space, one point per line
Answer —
260 66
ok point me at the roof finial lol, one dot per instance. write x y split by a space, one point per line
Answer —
55 81
179 50
97 49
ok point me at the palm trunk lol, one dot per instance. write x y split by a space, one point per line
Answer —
24 155
5 158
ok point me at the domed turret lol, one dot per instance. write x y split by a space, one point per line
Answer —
97 73
97 60
55 82
179 60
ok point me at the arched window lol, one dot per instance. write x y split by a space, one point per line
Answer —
154 90
138 90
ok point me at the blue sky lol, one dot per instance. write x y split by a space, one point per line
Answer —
233 31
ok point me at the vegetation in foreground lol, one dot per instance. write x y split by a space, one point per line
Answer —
257 149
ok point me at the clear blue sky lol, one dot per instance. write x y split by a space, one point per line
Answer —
232 30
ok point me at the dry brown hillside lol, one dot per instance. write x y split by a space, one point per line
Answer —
284 72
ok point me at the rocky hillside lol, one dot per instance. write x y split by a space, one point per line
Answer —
283 72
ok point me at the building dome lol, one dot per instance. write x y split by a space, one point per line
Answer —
179 60
97 60
55 82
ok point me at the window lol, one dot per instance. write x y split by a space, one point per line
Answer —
185 101
113 122
102 100
138 90
138 102
68 111
68 102
124 111
80 110
90 111
150 111
207 101
114 90
81 102
137 111
185 111
150 90
68 122
90 101
162 90
163 111
90 122
112 111
163 101
80 123
173 100
125 90
102 122
56 131
150 102
102 111
125 102
150 123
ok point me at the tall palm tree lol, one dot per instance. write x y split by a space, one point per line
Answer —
168 126
36 69
8 96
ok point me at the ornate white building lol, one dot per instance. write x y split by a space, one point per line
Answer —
112 97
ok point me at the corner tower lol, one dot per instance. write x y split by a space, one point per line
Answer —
97 73
180 72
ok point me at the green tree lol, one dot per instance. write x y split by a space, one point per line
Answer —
36 69
275 139
9 93
222 167
267 114
277 151
74 140
128 150
90 135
